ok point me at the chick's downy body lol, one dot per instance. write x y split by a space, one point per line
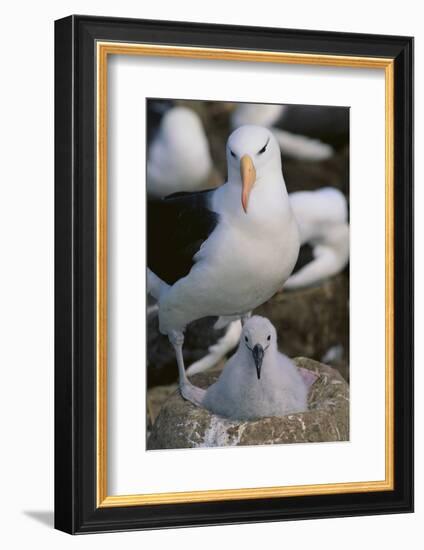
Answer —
244 393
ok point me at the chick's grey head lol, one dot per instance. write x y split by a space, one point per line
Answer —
258 337
252 153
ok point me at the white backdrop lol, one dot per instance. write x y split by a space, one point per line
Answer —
132 469
26 289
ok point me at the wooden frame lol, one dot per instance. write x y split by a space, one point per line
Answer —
82 47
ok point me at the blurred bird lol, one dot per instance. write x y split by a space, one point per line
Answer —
322 218
258 380
218 351
329 124
178 157
292 143
260 114
225 251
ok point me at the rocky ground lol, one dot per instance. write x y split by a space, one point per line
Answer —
180 424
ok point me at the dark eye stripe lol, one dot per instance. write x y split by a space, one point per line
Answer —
263 148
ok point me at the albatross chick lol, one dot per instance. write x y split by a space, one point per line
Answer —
258 380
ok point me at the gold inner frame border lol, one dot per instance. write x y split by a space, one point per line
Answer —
103 50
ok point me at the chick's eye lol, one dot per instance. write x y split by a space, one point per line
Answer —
246 339
232 153
269 338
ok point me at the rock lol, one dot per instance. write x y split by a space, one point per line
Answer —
156 397
180 424
312 321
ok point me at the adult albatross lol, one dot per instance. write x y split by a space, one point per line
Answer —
226 251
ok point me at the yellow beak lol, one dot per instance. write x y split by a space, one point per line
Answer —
248 178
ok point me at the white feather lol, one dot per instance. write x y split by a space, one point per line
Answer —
219 350
261 114
240 395
293 145
179 157
302 147
322 220
245 260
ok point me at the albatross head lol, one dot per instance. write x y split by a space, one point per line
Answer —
258 336
252 153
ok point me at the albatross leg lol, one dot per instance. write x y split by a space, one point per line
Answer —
188 391
177 341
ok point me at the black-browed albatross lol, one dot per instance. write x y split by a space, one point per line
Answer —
222 252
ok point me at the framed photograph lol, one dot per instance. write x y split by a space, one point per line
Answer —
234 274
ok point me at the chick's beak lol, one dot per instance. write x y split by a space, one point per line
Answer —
258 356
248 178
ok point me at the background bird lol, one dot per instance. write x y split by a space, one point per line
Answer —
262 114
178 157
258 380
222 252
274 117
322 218
326 128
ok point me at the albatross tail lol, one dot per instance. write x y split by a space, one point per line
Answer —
155 285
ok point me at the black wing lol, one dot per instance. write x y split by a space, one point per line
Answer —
176 228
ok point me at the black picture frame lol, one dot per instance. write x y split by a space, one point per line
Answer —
76 508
